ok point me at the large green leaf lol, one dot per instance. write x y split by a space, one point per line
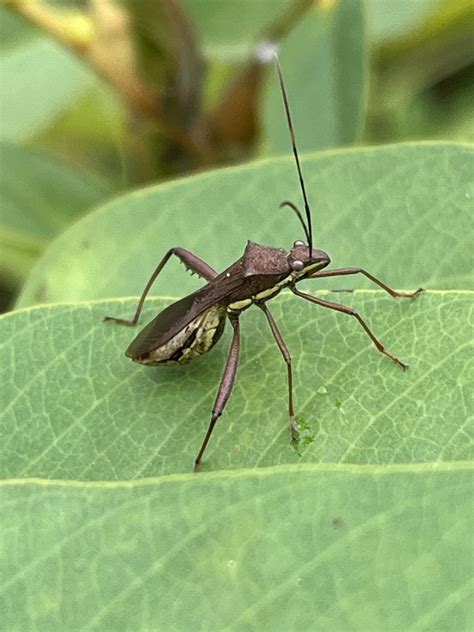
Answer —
75 407
315 548
367 530
38 79
325 62
400 211
38 198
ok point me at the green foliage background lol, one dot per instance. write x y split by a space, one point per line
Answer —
365 526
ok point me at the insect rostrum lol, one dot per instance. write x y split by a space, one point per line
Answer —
193 325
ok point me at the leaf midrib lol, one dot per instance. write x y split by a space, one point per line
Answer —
285 295
316 468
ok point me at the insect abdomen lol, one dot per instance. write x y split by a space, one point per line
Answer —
197 338
204 337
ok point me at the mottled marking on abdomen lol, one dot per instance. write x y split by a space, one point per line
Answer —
197 338
206 336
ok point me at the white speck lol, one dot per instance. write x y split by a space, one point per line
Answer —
231 564
227 274
266 51
322 390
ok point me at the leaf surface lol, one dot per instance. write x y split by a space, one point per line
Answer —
399 211
318 547
76 408
367 529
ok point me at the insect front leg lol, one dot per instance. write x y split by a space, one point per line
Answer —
294 429
190 260
225 387
351 312
347 271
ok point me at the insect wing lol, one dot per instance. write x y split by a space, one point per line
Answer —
179 314
161 328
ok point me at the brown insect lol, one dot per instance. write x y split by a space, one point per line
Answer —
193 325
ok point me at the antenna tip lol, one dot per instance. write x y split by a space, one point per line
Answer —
266 51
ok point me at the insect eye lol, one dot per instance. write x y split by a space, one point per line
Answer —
297 265
298 243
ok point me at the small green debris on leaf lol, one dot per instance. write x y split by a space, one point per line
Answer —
305 437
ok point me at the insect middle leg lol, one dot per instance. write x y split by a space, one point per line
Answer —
190 260
294 429
225 387
351 312
347 271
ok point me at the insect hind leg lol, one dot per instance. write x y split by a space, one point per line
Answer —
195 264
190 260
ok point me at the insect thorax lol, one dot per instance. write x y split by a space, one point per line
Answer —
198 337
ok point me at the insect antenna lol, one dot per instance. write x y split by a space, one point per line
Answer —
298 214
309 228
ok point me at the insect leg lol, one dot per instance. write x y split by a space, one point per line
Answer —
347 271
287 357
190 260
352 312
225 387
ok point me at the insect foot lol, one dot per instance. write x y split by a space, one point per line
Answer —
121 321
294 430
410 294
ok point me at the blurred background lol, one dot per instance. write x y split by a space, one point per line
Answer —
102 96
